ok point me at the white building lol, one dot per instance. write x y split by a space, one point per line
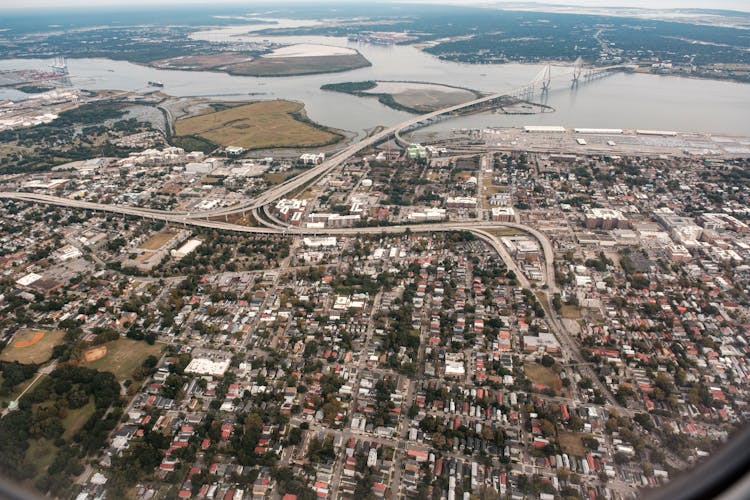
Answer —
328 241
312 158
68 252
198 168
186 249
205 366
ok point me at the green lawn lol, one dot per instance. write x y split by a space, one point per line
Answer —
75 419
41 453
124 356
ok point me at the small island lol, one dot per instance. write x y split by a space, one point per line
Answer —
412 97
291 60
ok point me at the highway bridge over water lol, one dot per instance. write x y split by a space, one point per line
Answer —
541 82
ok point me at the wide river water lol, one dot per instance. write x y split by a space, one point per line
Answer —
617 101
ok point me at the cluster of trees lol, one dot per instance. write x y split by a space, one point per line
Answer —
230 252
50 144
536 306
443 437
321 451
40 416
137 462
600 263
361 283
403 186
290 484
399 331
13 374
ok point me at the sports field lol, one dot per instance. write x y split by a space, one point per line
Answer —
32 346
122 356
258 125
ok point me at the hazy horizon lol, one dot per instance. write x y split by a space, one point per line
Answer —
736 5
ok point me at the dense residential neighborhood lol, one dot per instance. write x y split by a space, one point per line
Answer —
452 363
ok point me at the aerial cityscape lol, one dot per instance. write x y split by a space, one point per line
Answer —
371 250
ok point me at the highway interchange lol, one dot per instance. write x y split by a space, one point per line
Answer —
271 226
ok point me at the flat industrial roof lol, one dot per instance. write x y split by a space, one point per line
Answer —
544 128
605 131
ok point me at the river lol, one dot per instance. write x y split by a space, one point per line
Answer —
617 101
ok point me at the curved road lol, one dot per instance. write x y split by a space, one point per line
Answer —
334 161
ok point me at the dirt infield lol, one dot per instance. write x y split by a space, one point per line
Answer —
32 346
20 344
94 353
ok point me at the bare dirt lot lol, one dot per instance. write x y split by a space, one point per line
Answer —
94 353
541 375
158 240
570 443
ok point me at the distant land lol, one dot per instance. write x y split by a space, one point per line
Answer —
702 43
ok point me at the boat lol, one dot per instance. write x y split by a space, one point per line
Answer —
156 84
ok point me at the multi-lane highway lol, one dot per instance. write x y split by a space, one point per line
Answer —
269 228
341 157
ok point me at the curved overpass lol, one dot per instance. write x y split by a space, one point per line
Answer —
342 156
339 158
479 227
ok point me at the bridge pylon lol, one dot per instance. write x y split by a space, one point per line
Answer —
547 79
577 70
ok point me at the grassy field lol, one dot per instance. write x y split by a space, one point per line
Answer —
570 443
158 240
570 312
258 125
290 66
75 419
41 453
542 375
32 346
123 356
279 177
